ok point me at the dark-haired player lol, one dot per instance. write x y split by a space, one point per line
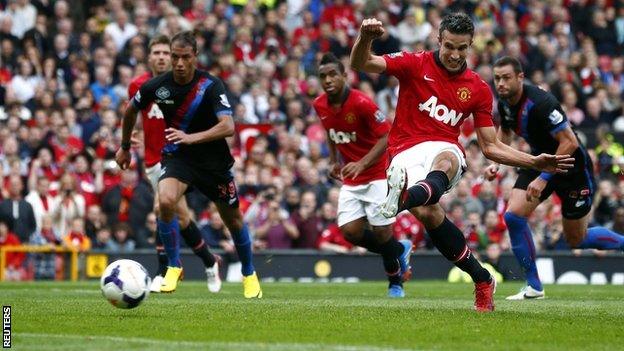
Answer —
358 131
198 117
152 119
537 116
437 92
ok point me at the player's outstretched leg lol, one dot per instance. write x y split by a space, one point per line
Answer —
193 238
524 249
602 238
169 234
425 192
450 241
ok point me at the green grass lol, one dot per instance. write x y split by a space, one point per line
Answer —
434 316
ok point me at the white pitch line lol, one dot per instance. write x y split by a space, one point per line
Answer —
204 345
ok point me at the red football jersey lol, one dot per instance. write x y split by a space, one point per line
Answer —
433 103
153 123
355 128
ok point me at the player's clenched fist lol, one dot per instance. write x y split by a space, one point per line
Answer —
372 28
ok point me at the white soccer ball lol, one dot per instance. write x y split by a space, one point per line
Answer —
125 283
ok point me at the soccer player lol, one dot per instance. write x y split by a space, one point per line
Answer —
536 116
358 130
159 62
198 118
437 92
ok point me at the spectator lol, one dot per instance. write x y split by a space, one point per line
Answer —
130 201
14 260
146 236
408 227
122 241
120 30
16 212
617 225
277 232
45 263
103 239
94 221
76 239
493 253
307 221
40 200
67 205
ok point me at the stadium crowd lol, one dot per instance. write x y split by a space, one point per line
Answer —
65 70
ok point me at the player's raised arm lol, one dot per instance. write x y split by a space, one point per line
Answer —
361 57
497 151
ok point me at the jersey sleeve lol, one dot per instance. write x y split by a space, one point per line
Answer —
219 100
403 64
482 113
551 116
144 96
374 117
133 88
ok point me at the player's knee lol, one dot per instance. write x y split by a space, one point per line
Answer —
167 205
350 234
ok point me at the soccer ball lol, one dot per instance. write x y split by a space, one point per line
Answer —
125 283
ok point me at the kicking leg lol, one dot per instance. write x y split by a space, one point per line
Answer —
450 241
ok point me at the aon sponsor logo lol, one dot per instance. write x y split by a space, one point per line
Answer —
341 137
440 111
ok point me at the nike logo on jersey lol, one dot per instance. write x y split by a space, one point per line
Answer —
579 203
429 79
322 117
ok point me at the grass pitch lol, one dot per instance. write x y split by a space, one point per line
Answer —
434 316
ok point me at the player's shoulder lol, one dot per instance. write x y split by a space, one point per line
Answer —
538 95
157 81
320 101
140 79
207 75
359 97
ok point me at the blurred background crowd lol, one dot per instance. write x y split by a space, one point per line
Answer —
65 67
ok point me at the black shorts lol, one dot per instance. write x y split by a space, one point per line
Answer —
576 190
218 186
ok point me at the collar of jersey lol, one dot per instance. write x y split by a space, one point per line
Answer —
343 98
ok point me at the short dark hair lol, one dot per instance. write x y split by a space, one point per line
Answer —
512 61
457 23
186 38
331 58
159 39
